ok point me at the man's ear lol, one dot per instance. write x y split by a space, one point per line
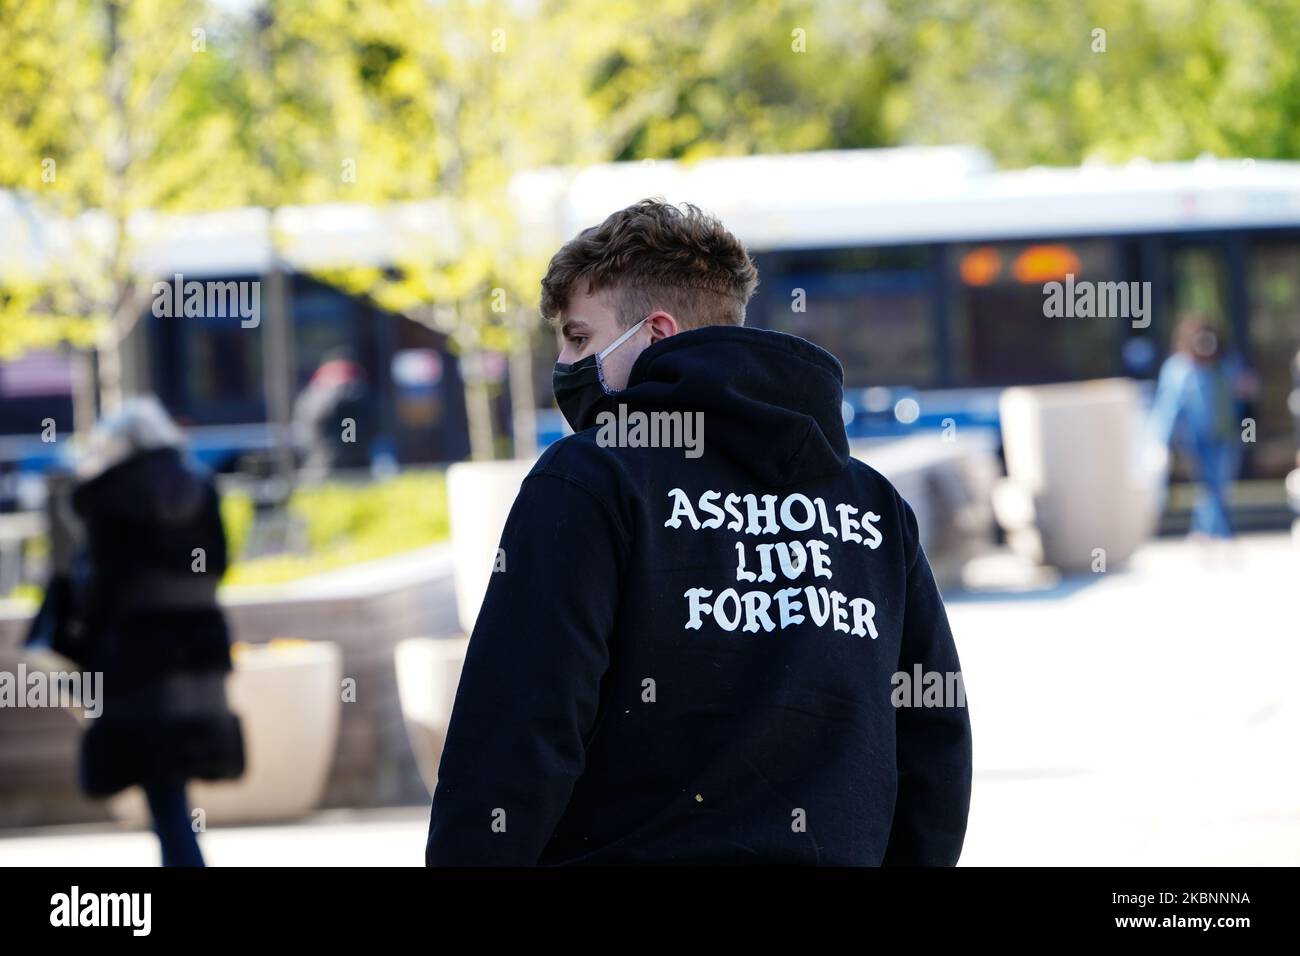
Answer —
662 325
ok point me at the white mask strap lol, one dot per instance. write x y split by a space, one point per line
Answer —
621 339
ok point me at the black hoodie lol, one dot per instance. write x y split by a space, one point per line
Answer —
692 658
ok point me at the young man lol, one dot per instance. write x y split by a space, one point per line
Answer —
702 647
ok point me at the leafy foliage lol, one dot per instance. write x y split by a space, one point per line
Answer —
345 524
186 105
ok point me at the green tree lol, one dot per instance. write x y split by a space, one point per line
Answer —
1061 82
491 89
105 115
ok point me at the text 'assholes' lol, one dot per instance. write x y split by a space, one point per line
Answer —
770 514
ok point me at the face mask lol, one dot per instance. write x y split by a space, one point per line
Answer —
580 388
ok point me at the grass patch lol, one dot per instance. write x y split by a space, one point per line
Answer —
344 524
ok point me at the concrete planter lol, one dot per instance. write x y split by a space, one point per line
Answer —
428 673
479 496
1081 477
287 696
1293 499
948 484
363 610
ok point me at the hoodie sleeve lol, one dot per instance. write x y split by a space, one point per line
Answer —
530 687
933 743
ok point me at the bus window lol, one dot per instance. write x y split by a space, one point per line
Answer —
1199 274
1003 331
871 308
223 372
324 323
1274 289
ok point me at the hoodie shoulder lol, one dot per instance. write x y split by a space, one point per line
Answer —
901 516
864 472
580 459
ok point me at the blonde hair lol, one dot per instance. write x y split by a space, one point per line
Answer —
139 425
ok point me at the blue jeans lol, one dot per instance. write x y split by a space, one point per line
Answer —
1216 466
171 822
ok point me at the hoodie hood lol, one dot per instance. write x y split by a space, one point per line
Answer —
772 402
154 486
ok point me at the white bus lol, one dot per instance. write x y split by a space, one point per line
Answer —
922 269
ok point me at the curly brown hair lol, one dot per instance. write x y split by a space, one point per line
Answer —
653 255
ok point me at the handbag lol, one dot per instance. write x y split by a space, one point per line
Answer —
58 626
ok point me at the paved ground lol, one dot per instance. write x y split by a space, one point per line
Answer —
1147 716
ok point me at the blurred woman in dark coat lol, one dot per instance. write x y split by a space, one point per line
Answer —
146 598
